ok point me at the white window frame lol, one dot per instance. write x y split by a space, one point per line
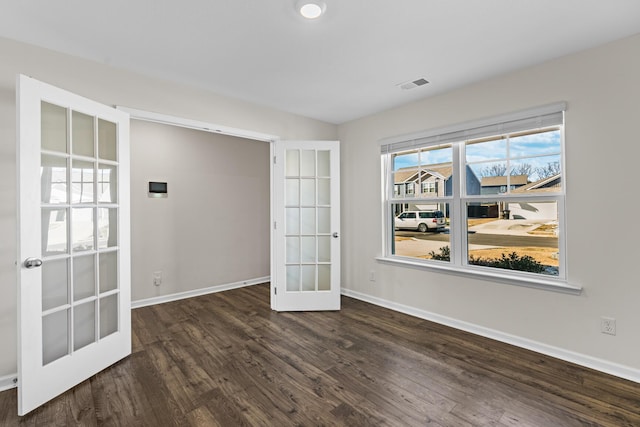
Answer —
409 187
428 187
536 118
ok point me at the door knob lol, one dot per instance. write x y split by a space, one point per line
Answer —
335 235
32 262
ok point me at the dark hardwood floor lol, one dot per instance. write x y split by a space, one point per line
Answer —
227 360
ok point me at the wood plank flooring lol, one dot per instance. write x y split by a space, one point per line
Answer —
227 360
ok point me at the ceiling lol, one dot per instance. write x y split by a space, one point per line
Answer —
345 65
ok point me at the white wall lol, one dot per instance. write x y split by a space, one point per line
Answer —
602 92
113 87
603 95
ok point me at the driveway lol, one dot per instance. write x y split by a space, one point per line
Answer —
512 227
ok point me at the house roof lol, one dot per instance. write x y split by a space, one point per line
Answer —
410 174
550 183
494 181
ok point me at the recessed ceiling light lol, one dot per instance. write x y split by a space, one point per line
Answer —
311 9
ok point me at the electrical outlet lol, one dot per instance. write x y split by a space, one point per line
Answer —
157 278
608 325
372 275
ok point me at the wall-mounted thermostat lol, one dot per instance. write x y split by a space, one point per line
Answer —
157 189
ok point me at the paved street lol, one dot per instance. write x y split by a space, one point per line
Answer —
505 240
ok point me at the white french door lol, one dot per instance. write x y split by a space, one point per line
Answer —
305 272
74 300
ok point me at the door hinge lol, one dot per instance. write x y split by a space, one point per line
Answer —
274 160
275 225
275 291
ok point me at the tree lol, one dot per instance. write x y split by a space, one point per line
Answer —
496 169
522 169
500 169
551 169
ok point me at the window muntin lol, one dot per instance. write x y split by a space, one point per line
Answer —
520 230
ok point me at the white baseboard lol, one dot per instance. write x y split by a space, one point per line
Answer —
8 382
197 292
601 365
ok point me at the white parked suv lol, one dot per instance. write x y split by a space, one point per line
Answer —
420 220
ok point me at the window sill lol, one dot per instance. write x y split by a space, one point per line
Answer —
537 283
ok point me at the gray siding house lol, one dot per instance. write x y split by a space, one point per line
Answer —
429 181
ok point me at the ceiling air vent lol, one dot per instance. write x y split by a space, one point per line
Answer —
412 84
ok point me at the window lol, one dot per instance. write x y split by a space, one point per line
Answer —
429 187
409 189
491 197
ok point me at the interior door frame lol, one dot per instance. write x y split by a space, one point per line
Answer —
277 204
271 139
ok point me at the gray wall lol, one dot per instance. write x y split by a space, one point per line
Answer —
603 95
213 228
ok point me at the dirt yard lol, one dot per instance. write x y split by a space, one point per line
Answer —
545 256
408 246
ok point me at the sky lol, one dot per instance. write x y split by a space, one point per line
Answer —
537 150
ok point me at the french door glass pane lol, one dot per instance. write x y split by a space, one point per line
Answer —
308 163
107 183
308 221
107 140
324 277
324 191
55 278
293 278
108 271
324 163
308 282
108 315
107 228
84 321
307 249
84 282
307 192
82 134
55 336
324 249
82 179
82 229
293 163
53 128
292 220
53 179
293 249
54 231
324 220
292 192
